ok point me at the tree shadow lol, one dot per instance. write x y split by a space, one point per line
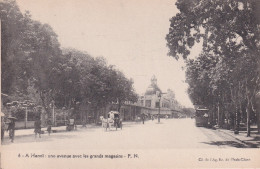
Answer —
257 138
227 143
254 142
31 138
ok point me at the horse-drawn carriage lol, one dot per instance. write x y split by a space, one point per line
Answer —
113 120
71 125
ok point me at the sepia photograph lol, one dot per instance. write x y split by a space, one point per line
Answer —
130 84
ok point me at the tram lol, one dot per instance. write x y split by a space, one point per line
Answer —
202 117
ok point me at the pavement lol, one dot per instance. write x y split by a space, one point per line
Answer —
168 134
26 132
59 129
253 141
169 142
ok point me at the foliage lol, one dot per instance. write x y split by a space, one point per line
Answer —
35 67
226 73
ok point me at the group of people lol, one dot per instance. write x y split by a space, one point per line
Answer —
11 128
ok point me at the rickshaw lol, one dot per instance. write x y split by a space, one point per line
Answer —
70 125
113 119
116 117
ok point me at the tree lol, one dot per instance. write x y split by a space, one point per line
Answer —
34 66
229 31
99 83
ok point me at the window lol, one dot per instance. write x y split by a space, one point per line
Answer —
148 103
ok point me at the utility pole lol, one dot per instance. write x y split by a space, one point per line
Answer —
159 95
26 117
159 108
53 114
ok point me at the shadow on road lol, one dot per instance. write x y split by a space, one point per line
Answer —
257 138
227 143
31 138
254 142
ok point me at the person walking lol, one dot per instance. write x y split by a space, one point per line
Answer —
11 128
37 127
143 118
49 124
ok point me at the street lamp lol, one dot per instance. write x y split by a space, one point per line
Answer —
159 96
53 112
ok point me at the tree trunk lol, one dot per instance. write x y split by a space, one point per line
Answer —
249 96
218 115
97 114
257 99
236 127
214 116
85 116
119 106
248 119
258 121
46 108
258 118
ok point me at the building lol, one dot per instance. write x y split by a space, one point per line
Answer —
154 99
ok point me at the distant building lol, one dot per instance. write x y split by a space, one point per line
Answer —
150 99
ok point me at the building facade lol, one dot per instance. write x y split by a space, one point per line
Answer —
154 99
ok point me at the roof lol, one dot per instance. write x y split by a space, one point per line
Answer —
114 112
203 109
152 89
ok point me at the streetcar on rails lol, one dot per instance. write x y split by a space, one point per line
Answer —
202 117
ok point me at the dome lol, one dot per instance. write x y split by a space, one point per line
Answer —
150 90
153 87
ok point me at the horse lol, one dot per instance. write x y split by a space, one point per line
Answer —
106 123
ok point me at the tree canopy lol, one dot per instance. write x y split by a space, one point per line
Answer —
35 67
226 74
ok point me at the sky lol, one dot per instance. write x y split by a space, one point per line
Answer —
130 34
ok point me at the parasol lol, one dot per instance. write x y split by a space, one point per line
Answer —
12 118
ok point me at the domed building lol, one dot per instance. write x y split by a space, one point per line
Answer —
153 87
154 98
150 98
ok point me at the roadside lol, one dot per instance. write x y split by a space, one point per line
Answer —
27 132
252 142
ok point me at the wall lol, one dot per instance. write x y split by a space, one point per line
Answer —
21 124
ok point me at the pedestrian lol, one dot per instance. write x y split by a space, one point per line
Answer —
143 117
49 124
2 129
75 125
11 128
166 117
37 127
